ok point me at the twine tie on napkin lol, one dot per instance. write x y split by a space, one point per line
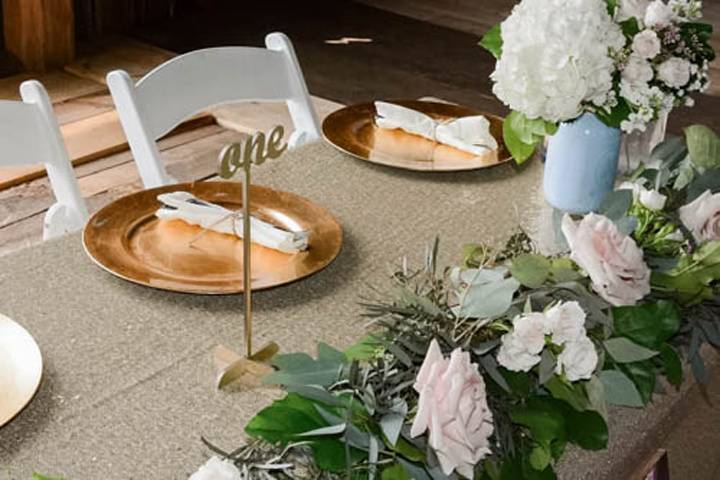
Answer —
469 134
190 209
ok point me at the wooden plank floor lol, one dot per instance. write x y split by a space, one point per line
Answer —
435 54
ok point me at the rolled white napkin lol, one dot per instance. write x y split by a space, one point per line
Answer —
469 134
187 207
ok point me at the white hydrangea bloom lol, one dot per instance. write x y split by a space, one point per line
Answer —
631 8
578 359
659 14
514 356
217 469
556 57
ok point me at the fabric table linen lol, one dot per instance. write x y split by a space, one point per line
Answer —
128 383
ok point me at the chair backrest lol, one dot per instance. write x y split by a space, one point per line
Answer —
189 83
30 135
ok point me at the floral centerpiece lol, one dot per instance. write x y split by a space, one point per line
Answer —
490 369
626 61
582 70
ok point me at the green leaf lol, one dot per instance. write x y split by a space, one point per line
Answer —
408 450
672 364
624 350
643 375
544 420
563 270
621 111
619 389
649 325
329 454
616 204
704 146
612 6
285 419
492 41
630 27
530 269
518 382
573 394
539 457
394 472
709 180
368 347
522 135
586 429
330 354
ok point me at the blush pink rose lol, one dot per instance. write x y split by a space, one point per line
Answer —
612 259
453 407
702 217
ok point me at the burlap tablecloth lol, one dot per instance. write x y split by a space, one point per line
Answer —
128 381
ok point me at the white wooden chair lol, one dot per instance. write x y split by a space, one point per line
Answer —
29 134
189 83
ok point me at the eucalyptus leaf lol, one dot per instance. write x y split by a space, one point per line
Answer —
484 300
546 368
414 470
596 396
330 430
709 180
619 389
626 225
391 423
644 375
616 204
313 392
670 152
704 146
531 270
624 350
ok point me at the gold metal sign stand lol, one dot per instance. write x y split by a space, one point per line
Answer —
233 367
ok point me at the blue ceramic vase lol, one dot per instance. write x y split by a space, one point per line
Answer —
581 164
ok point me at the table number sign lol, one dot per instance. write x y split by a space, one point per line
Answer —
239 158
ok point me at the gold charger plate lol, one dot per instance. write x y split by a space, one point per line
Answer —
21 368
352 130
126 239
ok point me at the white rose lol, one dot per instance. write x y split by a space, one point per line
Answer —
566 322
612 259
520 349
530 330
632 8
675 72
216 469
650 199
513 355
659 14
637 71
702 217
578 359
646 44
